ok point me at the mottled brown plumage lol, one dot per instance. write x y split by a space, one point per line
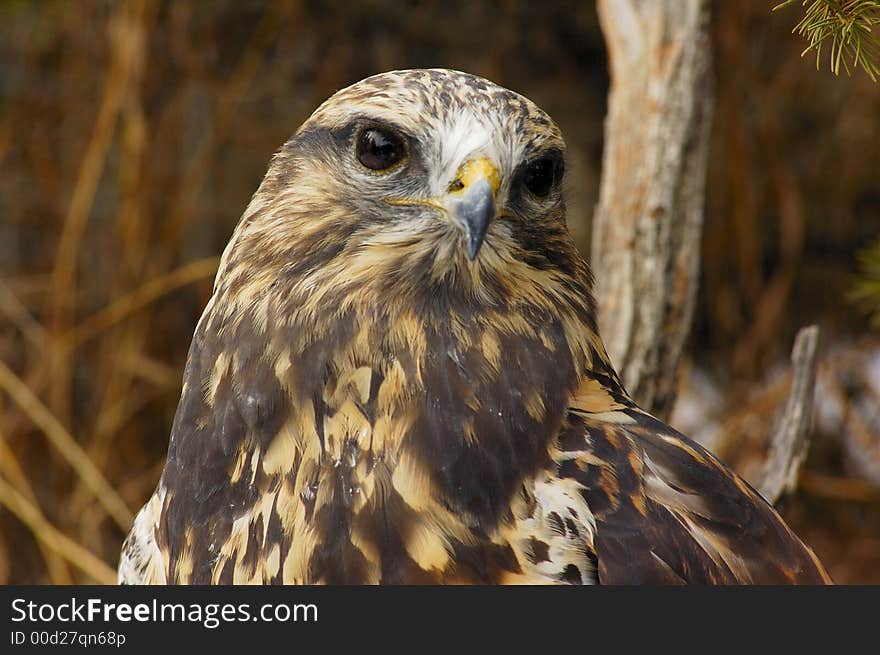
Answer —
399 379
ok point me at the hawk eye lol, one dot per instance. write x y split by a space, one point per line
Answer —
379 149
541 175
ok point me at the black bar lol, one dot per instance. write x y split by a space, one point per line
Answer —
132 619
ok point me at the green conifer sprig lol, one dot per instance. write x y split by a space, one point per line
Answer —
866 291
847 27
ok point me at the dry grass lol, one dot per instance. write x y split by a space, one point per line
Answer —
133 133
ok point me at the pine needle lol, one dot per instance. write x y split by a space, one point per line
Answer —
846 28
867 288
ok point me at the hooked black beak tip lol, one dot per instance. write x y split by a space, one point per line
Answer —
476 210
473 247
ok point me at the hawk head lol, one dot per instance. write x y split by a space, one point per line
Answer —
460 161
415 184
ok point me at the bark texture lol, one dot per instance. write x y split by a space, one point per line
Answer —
647 226
790 443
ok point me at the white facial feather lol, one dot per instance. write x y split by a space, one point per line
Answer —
465 135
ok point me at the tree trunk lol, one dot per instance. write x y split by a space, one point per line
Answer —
647 226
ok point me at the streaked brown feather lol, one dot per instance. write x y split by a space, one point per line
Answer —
676 514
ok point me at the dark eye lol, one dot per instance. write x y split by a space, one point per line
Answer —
541 175
379 149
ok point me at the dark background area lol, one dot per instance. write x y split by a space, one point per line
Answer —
133 134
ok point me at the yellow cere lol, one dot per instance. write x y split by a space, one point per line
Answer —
477 169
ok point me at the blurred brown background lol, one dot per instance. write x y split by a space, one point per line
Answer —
133 134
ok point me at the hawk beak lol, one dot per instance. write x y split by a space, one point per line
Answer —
472 200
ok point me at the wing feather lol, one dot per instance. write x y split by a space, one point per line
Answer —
668 512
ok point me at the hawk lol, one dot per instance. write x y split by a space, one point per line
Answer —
399 379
